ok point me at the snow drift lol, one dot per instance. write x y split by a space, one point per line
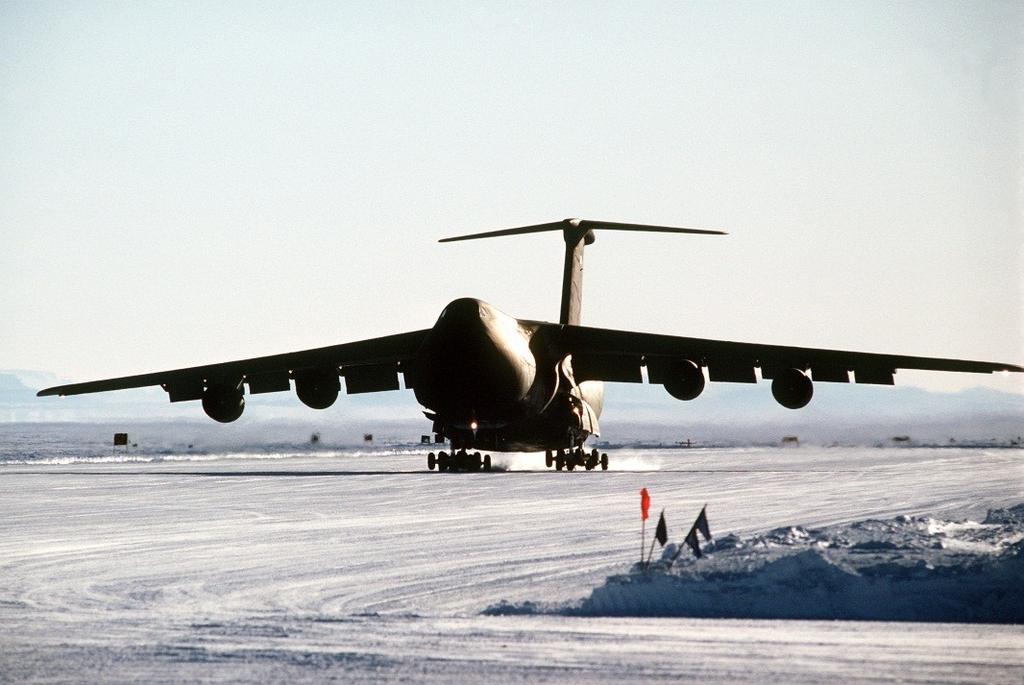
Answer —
901 569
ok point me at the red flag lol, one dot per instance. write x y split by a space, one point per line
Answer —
645 503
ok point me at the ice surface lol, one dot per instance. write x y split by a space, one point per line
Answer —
338 564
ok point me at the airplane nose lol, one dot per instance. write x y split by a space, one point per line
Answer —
469 365
462 311
462 323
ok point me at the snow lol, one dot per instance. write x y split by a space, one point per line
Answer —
301 565
906 568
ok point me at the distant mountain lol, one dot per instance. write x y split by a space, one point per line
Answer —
15 396
724 412
31 379
12 385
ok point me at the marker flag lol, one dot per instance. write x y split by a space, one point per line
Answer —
645 503
701 524
692 542
661 534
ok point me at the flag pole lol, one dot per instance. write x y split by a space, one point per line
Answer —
679 549
650 552
643 537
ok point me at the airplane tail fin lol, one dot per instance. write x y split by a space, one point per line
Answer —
568 226
577 233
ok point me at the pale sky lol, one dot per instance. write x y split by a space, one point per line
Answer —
183 183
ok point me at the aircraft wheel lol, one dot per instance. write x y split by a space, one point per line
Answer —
442 461
549 459
570 465
487 462
431 461
478 461
559 464
604 462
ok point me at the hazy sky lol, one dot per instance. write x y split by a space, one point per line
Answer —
186 183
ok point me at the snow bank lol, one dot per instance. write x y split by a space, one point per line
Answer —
901 569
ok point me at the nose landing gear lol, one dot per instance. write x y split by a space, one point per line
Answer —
459 461
576 457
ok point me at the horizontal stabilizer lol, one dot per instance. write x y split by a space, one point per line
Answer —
581 225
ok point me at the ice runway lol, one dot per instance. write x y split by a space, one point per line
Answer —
365 566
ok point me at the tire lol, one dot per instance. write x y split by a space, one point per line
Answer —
604 462
549 459
487 462
431 461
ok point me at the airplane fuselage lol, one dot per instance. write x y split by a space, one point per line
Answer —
491 381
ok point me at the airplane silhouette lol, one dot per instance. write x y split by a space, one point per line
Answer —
490 381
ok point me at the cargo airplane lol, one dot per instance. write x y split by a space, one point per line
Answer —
492 382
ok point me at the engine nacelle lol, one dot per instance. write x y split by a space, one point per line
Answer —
224 403
686 381
792 388
317 389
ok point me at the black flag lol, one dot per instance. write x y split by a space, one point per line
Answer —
661 533
691 540
701 524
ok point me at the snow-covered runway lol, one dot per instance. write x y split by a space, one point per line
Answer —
359 565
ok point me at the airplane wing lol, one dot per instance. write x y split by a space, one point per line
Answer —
611 355
368 366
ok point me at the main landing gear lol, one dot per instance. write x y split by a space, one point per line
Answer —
459 461
570 459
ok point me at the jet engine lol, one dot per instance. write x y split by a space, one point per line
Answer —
686 381
792 388
224 403
317 389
